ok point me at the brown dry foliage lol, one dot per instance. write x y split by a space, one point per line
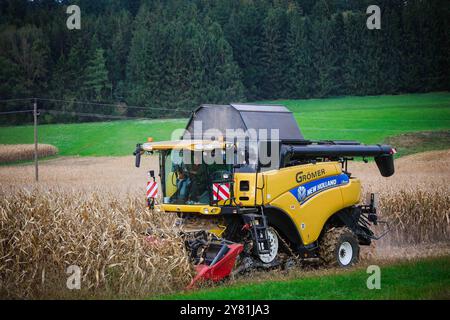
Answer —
415 201
43 232
416 217
21 152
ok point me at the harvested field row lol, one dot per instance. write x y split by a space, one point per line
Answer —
22 152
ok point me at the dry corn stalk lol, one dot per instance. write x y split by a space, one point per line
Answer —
43 232
21 152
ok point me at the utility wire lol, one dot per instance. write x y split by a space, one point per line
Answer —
96 115
116 105
110 105
16 111
93 103
74 113
12 100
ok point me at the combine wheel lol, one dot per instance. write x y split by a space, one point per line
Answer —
273 239
339 247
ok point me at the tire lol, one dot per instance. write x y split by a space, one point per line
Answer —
339 248
274 247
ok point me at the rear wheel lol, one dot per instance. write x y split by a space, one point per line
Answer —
339 247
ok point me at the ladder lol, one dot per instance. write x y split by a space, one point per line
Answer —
258 228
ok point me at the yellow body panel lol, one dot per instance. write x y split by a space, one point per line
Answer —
351 193
245 198
170 187
277 182
194 208
193 145
310 216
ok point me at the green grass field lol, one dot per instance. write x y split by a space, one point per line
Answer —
115 138
367 119
422 279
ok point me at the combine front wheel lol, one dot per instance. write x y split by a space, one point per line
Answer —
339 247
273 239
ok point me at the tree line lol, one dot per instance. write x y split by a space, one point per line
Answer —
176 54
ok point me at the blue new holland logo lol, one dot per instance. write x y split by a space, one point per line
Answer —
306 191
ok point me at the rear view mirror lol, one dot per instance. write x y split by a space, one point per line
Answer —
137 153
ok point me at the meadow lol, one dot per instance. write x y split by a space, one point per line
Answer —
370 119
417 279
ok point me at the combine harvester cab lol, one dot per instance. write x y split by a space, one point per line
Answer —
251 192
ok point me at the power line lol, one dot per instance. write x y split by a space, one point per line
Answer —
86 114
12 100
111 105
100 104
92 103
16 111
96 115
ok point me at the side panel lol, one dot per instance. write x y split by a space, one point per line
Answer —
278 182
351 193
310 217
314 199
246 197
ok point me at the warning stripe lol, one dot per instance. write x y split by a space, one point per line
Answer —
221 191
152 189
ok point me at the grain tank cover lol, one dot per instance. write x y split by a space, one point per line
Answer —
245 117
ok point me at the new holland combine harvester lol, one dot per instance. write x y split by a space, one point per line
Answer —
237 213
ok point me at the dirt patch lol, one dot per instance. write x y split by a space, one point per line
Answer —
414 142
22 152
100 174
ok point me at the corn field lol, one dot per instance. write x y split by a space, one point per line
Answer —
43 232
21 152
416 217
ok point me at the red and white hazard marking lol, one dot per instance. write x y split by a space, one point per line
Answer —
221 191
152 189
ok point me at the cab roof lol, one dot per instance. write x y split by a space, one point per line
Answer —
245 117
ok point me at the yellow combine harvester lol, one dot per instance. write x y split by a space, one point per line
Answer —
251 192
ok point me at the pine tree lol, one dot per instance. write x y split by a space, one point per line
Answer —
299 50
118 51
96 83
27 49
244 32
355 64
324 55
274 55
